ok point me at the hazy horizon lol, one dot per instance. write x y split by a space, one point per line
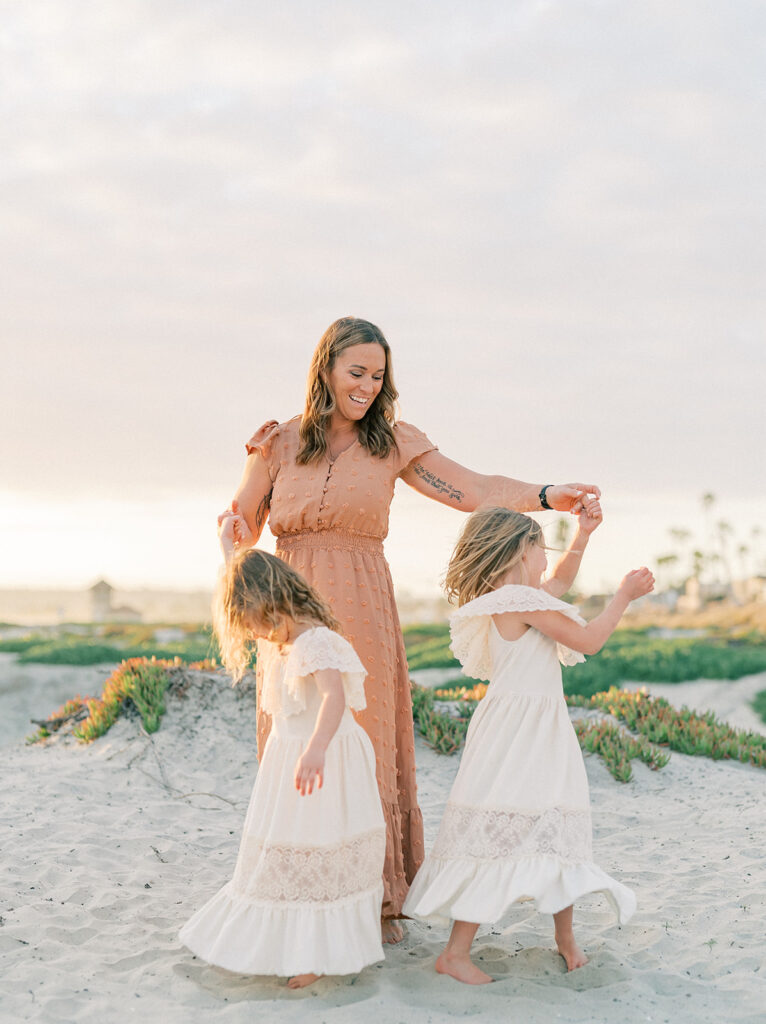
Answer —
555 211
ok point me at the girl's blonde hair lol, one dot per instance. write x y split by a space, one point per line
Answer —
376 428
491 542
256 585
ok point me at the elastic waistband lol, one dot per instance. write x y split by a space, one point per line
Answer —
339 540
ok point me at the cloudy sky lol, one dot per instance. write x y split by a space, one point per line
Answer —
554 210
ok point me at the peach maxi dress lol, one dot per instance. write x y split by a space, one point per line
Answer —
330 519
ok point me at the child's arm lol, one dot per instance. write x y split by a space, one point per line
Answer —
233 531
310 764
591 638
567 567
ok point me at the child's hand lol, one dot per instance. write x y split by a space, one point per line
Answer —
309 768
233 531
590 517
637 583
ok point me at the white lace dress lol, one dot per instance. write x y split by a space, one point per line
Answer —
517 823
307 887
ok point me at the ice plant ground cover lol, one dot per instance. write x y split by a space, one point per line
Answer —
138 684
619 726
629 654
654 727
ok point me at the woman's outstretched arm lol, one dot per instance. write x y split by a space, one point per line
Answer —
253 498
249 508
438 477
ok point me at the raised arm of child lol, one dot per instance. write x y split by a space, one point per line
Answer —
591 638
567 567
310 765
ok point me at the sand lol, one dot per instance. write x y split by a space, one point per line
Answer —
108 848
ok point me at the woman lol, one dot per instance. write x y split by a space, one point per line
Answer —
325 481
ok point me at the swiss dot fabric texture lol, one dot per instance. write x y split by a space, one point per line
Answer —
330 519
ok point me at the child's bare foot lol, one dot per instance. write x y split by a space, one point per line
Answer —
302 980
461 968
571 952
390 931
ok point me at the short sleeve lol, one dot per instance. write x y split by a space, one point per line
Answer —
319 649
266 449
411 443
469 625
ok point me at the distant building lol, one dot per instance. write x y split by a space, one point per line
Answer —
753 589
697 594
102 609
592 605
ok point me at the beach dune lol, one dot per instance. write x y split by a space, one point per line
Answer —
109 848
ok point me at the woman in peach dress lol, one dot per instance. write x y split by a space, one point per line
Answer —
324 481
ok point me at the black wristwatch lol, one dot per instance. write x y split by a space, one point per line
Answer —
543 499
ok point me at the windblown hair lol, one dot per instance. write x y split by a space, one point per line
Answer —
491 542
376 431
256 585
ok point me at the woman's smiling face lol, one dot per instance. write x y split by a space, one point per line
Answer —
356 379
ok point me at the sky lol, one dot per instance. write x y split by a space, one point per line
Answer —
554 211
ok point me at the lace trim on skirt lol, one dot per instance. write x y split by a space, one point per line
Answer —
476 832
311 874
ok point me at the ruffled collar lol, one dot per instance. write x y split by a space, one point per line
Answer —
470 624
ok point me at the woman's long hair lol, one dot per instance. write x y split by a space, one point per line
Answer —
256 585
376 427
491 542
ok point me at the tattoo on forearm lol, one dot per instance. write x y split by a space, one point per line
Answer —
262 511
439 485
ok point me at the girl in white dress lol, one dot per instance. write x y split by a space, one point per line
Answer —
307 888
517 823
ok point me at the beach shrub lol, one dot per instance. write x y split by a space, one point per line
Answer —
462 689
629 654
445 731
442 731
644 659
685 731
84 651
19 644
759 704
139 681
617 748
652 721
71 709
432 653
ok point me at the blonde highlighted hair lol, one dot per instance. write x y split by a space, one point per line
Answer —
492 541
258 586
376 428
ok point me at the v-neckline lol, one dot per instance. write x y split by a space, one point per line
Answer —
332 460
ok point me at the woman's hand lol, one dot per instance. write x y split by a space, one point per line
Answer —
233 531
637 583
591 517
308 768
570 497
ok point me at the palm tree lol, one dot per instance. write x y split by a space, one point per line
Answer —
681 536
724 531
665 562
743 551
561 535
698 563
